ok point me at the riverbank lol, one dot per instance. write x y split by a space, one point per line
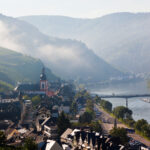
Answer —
108 124
140 108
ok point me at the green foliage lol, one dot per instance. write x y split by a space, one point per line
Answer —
138 125
83 93
122 112
74 108
26 97
5 87
89 105
6 147
106 105
67 91
97 99
5 78
18 67
30 144
96 126
143 128
119 136
86 117
36 100
2 138
129 122
87 95
63 123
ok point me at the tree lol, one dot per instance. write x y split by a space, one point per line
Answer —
130 122
89 105
87 95
96 126
2 138
74 108
106 105
67 91
36 100
29 144
138 125
122 112
26 97
86 117
119 136
97 99
145 129
63 123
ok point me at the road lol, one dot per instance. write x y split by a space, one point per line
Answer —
108 124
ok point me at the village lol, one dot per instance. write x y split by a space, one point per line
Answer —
57 116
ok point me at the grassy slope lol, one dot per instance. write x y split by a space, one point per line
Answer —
16 67
5 87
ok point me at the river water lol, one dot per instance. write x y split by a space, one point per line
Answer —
140 108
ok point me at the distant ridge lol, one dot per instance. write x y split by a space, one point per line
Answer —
122 39
68 58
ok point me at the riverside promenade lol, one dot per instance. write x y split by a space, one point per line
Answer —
108 124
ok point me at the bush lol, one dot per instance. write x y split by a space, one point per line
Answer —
36 100
122 112
96 126
63 123
119 136
30 144
106 105
143 128
86 117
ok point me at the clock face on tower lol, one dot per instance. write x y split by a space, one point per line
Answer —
43 81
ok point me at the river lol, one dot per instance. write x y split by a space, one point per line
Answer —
140 108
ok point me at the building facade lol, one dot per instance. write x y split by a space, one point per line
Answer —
42 88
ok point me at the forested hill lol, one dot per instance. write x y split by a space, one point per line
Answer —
69 59
16 67
122 39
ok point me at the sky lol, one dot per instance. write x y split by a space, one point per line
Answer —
72 8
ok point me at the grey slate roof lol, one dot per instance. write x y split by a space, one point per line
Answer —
28 87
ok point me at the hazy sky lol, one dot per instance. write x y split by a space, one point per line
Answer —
73 8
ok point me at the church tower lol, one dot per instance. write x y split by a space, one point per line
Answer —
43 81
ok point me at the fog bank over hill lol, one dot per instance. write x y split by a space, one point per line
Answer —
67 58
16 67
123 39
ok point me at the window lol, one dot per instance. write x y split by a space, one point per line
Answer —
43 85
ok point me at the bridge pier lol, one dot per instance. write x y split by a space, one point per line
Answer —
126 102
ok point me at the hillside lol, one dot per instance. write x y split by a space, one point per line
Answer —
67 58
16 67
122 39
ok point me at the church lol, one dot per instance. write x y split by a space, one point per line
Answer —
42 88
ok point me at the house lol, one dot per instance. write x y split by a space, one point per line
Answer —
50 145
54 112
50 128
87 140
65 107
64 136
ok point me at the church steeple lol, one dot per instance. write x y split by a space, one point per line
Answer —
43 81
43 75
